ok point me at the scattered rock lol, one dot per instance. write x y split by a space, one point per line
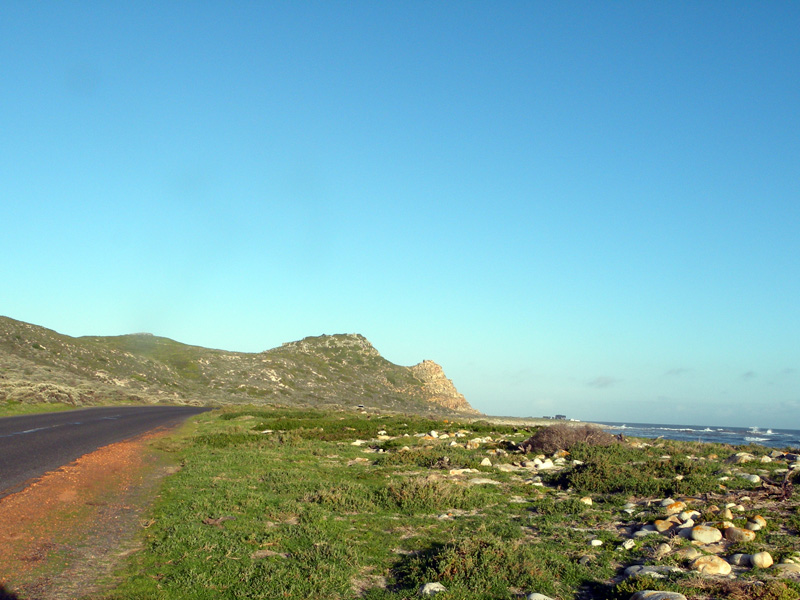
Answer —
735 534
688 553
711 565
537 596
761 560
739 560
657 595
740 458
462 471
486 462
506 468
663 526
431 589
675 508
787 568
662 550
627 544
757 521
654 571
705 534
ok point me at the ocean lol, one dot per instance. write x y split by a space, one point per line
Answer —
772 438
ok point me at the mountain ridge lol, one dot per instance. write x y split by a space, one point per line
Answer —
41 365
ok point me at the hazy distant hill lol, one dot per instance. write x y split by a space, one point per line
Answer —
40 365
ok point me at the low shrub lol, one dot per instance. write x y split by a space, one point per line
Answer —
345 496
494 566
563 437
430 458
629 471
224 440
425 494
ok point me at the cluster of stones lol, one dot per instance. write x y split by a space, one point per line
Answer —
708 539
431 589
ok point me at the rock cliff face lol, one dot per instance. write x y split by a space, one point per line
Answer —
439 388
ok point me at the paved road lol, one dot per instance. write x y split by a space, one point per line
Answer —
32 445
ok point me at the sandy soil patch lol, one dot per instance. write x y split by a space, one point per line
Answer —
63 535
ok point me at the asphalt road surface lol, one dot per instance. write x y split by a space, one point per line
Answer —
32 445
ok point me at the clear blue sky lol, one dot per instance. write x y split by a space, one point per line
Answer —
588 208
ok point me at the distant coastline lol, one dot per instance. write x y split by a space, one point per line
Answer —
736 436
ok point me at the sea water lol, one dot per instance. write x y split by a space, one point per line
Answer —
773 438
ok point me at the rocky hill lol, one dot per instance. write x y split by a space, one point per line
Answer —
40 365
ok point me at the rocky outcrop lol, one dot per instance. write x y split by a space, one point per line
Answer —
324 344
40 365
438 388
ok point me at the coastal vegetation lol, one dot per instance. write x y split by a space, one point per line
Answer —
287 503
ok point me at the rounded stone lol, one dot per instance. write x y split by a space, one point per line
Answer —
740 560
654 571
657 595
758 520
688 515
627 544
787 568
705 534
688 553
537 596
675 508
662 525
761 560
711 565
431 589
735 534
662 550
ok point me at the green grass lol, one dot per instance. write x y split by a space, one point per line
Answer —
10 408
300 512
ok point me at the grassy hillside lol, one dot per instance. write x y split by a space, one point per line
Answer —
41 365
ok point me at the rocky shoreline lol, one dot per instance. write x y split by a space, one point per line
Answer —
701 535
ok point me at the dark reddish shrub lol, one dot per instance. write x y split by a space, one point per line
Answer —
552 438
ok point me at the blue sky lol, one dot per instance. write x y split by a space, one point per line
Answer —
585 208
